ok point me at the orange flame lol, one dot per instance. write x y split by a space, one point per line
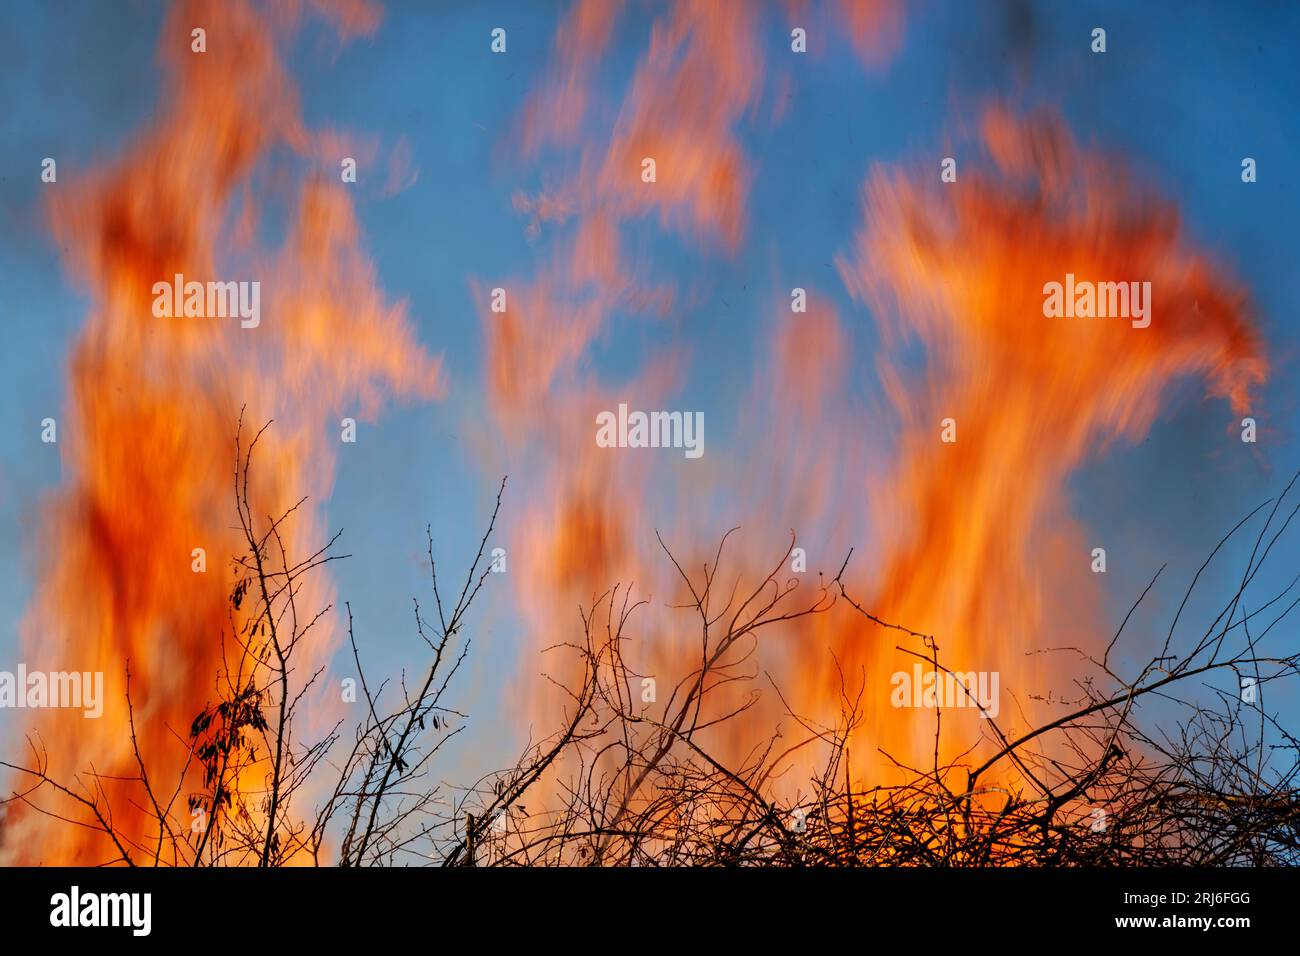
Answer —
981 550
148 435
973 541
588 522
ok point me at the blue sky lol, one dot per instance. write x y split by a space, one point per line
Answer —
1183 93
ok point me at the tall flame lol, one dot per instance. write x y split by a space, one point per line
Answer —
980 549
972 542
148 434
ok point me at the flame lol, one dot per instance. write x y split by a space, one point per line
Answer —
148 434
589 515
971 542
986 556
699 76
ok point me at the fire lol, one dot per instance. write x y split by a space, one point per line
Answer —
698 78
987 557
971 541
148 433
